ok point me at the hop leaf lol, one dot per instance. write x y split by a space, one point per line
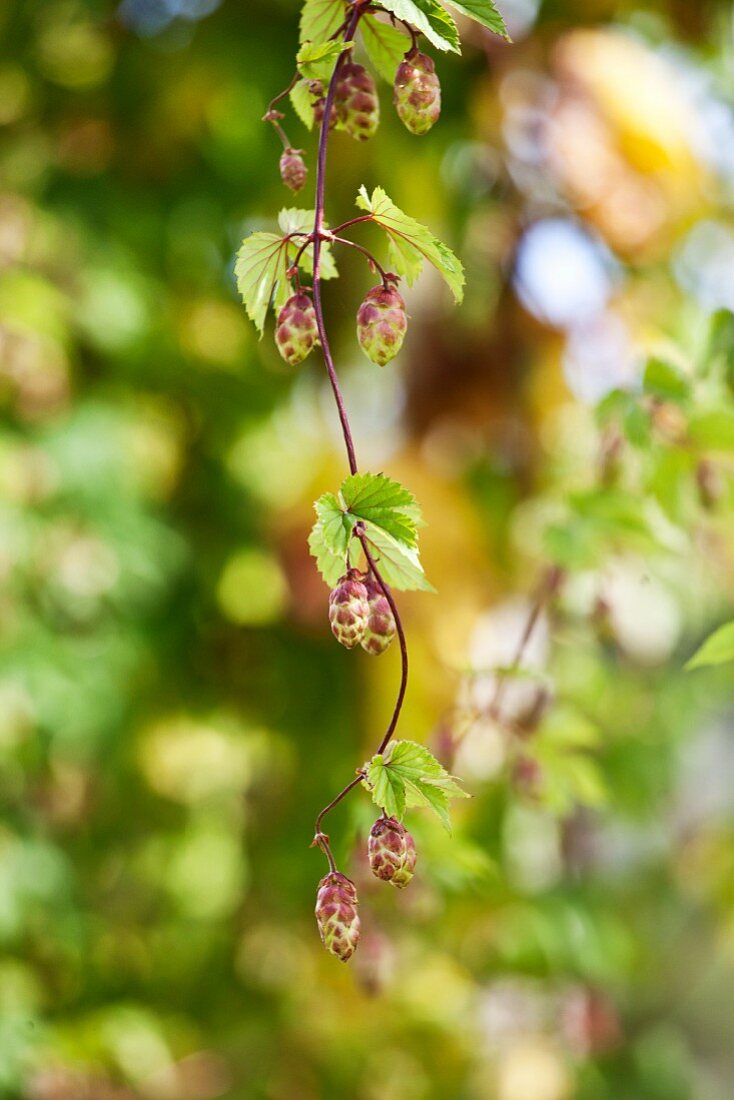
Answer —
407 774
263 261
385 46
411 243
316 60
718 649
429 17
390 515
484 12
320 19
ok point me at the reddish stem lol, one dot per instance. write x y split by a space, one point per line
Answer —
317 231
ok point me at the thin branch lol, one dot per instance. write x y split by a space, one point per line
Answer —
546 590
365 252
359 532
317 243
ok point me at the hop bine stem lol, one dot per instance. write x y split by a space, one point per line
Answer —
359 7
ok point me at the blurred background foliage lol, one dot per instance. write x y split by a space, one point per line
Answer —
173 711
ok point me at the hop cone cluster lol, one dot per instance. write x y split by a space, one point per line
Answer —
391 852
357 105
381 324
293 171
417 93
380 629
337 916
295 330
349 610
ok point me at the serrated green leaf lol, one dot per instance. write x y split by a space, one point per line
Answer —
316 60
385 46
264 258
302 102
407 774
718 649
430 18
390 515
399 564
260 272
412 243
293 220
320 19
484 12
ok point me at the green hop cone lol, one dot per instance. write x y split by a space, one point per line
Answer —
337 916
293 171
391 851
417 93
380 629
381 324
295 330
357 105
349 609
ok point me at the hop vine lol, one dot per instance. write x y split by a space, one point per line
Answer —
365 538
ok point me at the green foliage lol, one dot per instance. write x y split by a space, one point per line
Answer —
385 45
408 775
431 19
316 60
485 12
411 243
320 19
718 649
264 259
391 517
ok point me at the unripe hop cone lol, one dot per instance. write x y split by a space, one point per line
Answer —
293 171
381 324
380 629
391 851
417 93
357 105
349 610
296 331
337 916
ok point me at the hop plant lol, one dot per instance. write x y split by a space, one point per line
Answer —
296 331
293 171
417 93
349 609
391 851
380 629
381 324
337 916
316 88
357 105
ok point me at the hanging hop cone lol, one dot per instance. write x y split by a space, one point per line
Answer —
349 609
295 330
417 93
316 88
293 171
357 105
391 850
380 629
337 916
381 324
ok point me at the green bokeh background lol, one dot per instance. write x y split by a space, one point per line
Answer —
173 709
